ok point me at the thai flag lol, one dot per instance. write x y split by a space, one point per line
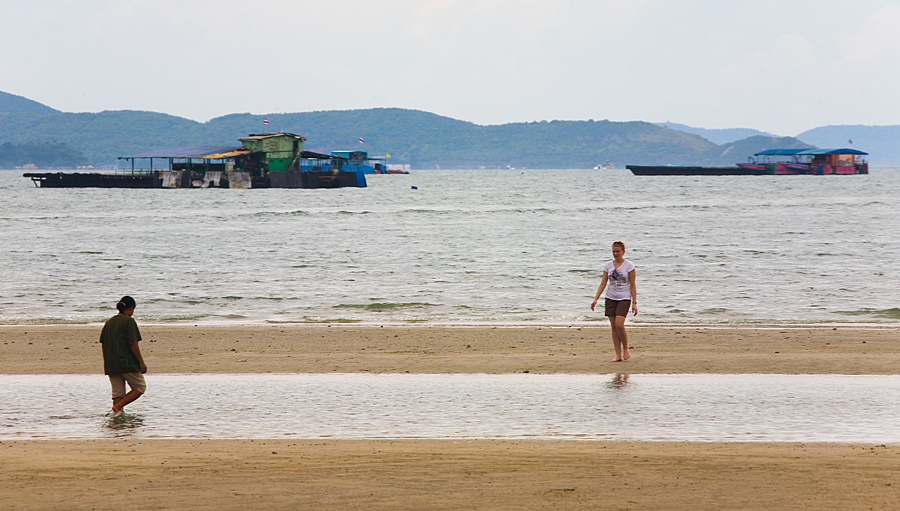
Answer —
361 141
265 122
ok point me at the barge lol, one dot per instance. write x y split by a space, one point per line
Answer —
265 160
773 162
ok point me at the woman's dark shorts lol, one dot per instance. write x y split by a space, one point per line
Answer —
617 307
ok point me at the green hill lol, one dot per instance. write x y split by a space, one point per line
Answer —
40 155
12 103
421 139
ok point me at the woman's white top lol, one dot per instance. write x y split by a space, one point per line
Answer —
618 283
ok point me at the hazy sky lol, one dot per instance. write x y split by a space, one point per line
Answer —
777 65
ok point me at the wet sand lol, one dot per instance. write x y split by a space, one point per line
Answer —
226 475
423 349
443 474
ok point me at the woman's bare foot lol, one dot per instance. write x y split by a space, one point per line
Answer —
617 359
627 354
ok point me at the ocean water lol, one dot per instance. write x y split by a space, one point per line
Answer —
466 247
734 407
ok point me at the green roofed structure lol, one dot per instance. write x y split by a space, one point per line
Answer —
265 160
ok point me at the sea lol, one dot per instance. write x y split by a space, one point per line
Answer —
459 247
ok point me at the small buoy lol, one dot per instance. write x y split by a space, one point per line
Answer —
414 187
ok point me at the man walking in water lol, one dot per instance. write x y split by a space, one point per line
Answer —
122 359
621 295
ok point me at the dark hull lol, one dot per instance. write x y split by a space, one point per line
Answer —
642 170
306 179
78 180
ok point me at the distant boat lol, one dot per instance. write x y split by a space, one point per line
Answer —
607 165
773 162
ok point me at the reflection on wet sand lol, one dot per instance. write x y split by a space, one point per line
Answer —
618 381
125 424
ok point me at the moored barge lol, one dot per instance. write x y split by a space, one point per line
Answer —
266 160
773 162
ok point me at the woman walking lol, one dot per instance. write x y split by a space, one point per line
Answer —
621 295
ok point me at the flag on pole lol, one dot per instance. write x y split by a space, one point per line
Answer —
361 141
265 122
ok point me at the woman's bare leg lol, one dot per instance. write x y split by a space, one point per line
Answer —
623 337
617 344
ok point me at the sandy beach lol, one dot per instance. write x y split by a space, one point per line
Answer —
426 349
448 474
417 475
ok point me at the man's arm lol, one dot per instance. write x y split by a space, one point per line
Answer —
137 353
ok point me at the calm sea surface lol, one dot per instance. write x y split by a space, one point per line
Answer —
466 247
733 407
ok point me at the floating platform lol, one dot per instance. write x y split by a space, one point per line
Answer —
93 180
210 179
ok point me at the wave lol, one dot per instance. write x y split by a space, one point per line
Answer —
385 306
893 313
298 212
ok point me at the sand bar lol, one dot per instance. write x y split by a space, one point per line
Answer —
223 475
425 349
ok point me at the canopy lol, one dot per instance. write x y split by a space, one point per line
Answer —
812 152
198 151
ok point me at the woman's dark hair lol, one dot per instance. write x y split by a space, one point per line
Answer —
125 303
619 244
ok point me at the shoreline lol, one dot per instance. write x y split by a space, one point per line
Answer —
222 475
67 349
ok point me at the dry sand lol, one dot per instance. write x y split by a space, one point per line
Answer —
422 349
226 475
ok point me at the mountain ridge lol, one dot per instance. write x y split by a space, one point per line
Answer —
419 138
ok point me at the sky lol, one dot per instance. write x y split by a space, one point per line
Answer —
780 66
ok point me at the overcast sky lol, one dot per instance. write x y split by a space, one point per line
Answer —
777 65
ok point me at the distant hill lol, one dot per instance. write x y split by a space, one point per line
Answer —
41 155
421 139
424 139
13 103
881 142
717 136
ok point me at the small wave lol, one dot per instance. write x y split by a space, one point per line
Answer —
893 313
298 212
176 318
50 320
715 310
384 306
314 321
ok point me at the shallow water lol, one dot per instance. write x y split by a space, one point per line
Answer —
755 408
466 247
